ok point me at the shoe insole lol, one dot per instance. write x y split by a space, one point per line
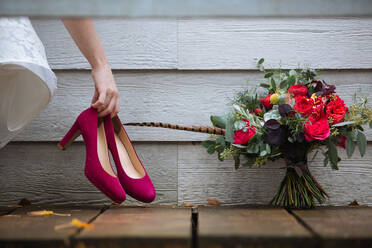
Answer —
125 160
102 150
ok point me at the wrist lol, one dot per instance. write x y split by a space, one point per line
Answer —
101 64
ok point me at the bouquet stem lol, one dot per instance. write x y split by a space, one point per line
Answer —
299 189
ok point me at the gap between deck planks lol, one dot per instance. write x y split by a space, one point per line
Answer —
165 226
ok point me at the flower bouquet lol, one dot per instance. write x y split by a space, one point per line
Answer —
288 117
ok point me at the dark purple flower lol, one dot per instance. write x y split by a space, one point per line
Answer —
275 133
285 109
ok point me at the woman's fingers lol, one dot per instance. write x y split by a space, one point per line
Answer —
102 102
110 108
95 97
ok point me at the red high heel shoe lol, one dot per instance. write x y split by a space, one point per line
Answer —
131 172
97 163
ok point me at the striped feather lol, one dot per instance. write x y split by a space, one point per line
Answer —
200 129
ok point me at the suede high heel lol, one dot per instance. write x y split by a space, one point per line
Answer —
131 172
97 169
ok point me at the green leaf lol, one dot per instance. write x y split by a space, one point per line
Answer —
326 160
237 161
344 123
229 132
261 61
362 143
283 84
350 147
263 153
253 148
239 146
273 85
207 143
292 73
218 121
333 156
221 140
272 114
265 86
269 74
268 148
211 149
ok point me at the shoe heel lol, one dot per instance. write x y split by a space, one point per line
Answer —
71 135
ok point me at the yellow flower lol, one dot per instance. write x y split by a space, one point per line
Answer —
274 98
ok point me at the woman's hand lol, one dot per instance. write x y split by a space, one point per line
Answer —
106 94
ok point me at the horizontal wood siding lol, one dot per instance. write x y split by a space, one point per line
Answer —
214 44
185 98
181 71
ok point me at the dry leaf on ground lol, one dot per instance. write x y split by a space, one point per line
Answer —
74 223
213 202
186 204
11 215
45 213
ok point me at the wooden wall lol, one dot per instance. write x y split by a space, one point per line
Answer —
180 71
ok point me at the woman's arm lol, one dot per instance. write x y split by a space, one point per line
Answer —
106 95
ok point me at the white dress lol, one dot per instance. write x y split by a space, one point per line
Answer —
27 83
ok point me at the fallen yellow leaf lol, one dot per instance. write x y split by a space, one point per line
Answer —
213 202
81 224
45 213
12 215
74 223
40 213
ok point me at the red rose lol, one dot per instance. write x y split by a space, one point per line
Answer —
266 102
258 111
318 130
298 90
304 105
336 109
342 142
241 137
318 109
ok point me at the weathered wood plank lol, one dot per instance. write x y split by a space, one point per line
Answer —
217 43
202 176
185 98
129 44
239 227
22 230
234 43
44 174
340 227
171 8
138 227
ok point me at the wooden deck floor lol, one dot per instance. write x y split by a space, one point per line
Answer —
171 226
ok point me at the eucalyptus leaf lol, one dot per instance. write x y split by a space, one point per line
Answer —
292 73
211 149
261 61
350 147
362 143
273 85
207 143
272 114
239 146
218 121
239 124
333 155
341 124
237 161
263 153
229 132
265 86
269 74
283 84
